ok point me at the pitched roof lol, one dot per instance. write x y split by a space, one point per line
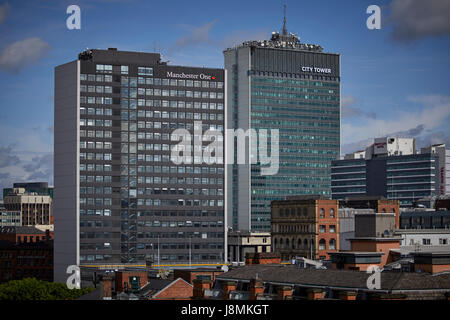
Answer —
22 229
169 285
293 275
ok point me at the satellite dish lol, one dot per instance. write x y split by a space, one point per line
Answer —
224 268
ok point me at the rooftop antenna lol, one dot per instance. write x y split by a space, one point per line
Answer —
284 22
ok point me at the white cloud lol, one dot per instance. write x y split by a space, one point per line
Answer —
19 54
435 113
416 19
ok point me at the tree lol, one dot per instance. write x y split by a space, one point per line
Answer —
33 289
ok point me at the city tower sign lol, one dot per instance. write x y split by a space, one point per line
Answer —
316 69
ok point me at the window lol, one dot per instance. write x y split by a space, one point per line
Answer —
426 242
332 213
332 244
322 229
322 244
322 213
145 71
332 229
124 69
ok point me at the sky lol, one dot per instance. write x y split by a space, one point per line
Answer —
394 81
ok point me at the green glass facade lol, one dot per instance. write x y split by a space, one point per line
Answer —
307 115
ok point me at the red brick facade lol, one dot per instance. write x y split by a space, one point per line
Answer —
190 275
123 279
327 216
177 290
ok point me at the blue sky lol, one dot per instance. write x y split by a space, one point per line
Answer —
394 80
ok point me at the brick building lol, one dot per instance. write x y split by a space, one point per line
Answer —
189 275
24 234
289 282
305 226
26 260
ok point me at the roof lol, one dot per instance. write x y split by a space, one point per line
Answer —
22 230
93 295
343 279
156 286
406 250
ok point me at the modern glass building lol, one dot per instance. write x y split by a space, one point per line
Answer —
120 199
405 178
293 87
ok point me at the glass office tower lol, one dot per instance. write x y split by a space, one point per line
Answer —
120 200
282 84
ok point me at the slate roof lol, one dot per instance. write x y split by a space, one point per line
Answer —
21 229
345 279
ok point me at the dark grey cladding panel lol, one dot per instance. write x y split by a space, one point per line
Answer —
144 59
290 61
125 57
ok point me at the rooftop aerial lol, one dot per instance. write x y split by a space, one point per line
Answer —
283 40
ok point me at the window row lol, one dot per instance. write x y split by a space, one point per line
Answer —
96 89
323 229
174 224
96 201
96 77
134 92
132 81
95 156
179 202
96 122
95 212
167 125
96 100
131 103
95 167
95 190
95 134
172 115
180 169
101 179
95 145
180 191
175 180
96 111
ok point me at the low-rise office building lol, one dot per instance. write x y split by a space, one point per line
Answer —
403 176
242 242
425 219
9 218
305 226
34 208
424 237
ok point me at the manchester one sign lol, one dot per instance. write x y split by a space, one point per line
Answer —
316 69
183 75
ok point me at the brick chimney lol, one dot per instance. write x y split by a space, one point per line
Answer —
284 293
262 258
256 288
227 287
348 295
315 294
106 287
199 288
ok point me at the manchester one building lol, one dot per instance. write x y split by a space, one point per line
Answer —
119 199
293 87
